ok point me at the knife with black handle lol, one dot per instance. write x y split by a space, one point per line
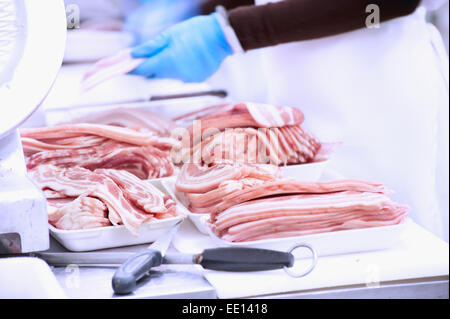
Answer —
134 266
133 269
243 259
224 259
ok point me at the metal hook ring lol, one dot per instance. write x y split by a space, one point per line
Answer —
313 264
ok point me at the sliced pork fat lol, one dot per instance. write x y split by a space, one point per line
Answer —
129 201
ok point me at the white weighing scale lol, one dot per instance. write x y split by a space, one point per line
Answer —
32 45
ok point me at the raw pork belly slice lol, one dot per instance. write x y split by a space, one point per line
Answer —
109 67
144 162
77 181
141 193
32 146
249 133
196 178
287 145
245 206
305 214
99 146
210 201
79 213
235 192
116 133
244 115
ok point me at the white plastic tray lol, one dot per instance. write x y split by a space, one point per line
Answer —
197 219
330 243
115 236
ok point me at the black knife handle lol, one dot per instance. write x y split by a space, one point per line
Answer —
126 276
244 259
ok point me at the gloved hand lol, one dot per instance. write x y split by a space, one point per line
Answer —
190 51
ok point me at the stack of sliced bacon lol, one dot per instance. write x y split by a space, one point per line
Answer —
306 214
250 133
195 178
243 115
93 146
278 146
79 198
244 205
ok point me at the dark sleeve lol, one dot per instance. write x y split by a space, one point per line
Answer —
297 20
209 6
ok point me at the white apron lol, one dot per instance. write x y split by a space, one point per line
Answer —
384 93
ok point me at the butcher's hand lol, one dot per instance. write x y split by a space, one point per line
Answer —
190 51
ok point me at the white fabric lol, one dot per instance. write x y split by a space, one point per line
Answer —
384 93
240 74
419 254
228 31
440 19
433 4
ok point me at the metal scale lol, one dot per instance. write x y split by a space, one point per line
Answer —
32 44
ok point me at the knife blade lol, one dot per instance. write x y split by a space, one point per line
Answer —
133 269
233 259
208 259
153 98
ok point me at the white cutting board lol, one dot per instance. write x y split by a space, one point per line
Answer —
28 278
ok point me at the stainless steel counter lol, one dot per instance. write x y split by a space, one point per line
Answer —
94 282
422 288
188 282
168 282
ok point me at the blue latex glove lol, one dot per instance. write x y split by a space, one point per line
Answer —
190 51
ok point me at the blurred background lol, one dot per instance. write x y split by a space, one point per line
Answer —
108 25
99 28
440 20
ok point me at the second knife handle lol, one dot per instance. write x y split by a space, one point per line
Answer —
126 276
245 259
